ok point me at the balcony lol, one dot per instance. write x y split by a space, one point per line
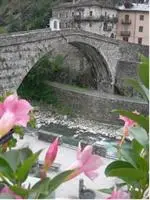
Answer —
96 18
128 22
125 33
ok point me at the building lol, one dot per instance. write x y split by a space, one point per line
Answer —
133 23
54 24
94 16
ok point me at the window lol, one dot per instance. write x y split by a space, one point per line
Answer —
105 13
55 24
72 14
112 35
126 39
105 26
66 14
72 24
60 25
60 15
90 24
140 28
141 17
91 13
126 17
140 40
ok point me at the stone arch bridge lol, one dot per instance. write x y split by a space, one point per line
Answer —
109 58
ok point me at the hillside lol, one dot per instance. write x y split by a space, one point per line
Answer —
20 15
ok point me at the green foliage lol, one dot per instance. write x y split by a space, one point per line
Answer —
23 171
15 165
34 86
143 71
44 188
21 15
133 165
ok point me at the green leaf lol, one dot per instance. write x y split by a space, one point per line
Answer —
19 130
140 135
20 191
124 171
41 187
58 180
23 171
11 157
24 154
140 119
5 169
138 87
106 190
16 157
127 174
128 156
142 164
117 165
136 146
143 71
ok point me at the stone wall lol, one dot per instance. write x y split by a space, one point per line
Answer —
97 106
19 52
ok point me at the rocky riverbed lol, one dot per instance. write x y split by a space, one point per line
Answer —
76 126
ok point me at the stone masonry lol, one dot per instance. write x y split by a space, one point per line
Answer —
20 51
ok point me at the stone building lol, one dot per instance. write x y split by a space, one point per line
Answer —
95 16
133 23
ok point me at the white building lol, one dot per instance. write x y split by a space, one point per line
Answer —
87 15
54 24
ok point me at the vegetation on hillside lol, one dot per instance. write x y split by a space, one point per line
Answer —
22 15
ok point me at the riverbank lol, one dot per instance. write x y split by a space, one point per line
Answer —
47 116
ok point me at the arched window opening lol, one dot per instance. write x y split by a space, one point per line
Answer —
55 24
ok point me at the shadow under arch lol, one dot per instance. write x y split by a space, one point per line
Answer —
33 84
99 67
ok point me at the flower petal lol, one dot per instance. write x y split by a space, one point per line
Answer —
1 109
10 102
91 174
22 107
7 122
86 153
119 195
93 163
22 120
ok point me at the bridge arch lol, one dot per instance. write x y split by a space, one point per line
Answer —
99 67
20 51
101 75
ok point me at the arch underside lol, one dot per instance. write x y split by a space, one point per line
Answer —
101 74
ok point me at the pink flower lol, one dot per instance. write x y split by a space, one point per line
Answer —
19 107
6 123
119 195
86 163
128 122
51 154
6 190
